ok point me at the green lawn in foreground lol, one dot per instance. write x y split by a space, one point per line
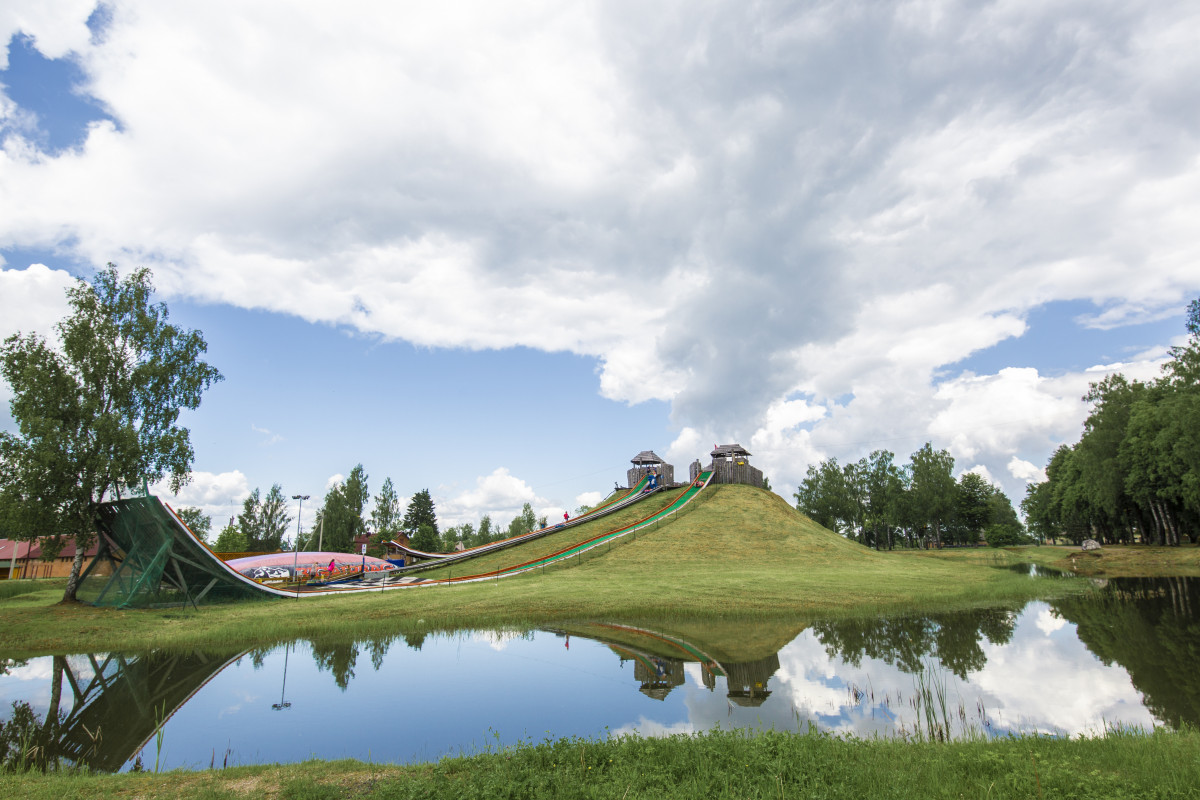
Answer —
714 765
745 554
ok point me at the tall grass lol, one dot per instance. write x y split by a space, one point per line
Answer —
719 764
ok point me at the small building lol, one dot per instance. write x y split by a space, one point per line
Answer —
730 464
646 462
26 559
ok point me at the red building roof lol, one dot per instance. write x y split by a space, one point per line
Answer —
33 550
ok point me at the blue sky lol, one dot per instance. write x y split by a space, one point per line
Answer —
496 252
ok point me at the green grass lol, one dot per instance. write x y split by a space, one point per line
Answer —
719 764
1112 561
744 556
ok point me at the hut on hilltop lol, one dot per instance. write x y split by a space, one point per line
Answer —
730 464
646 462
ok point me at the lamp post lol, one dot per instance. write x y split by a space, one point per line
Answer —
296 544
281 705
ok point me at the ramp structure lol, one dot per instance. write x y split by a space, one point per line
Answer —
612 504
148 557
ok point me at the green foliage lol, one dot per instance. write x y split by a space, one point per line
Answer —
933 491
99 413
1003 536
264 521
340 519
420 512
426 539
231 540
197 521
523 523
1135 472
386 519
879 504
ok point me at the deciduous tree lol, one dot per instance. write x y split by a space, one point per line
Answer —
97 411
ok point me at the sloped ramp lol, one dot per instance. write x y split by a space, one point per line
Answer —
614 503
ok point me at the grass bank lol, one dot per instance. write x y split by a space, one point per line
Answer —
1111 561
714 765
745 555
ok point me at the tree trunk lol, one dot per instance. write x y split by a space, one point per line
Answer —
76 568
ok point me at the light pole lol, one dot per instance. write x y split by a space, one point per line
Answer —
281 705
296 544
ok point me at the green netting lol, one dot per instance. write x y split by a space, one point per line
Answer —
148 558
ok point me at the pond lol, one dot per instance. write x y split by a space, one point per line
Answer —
1122 656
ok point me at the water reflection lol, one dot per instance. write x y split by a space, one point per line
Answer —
1124 655
1151 628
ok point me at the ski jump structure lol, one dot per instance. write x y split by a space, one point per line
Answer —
148 556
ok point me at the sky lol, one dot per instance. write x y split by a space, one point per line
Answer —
496 250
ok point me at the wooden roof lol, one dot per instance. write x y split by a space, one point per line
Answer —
729 450
647 457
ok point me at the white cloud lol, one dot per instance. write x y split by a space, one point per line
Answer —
791 262
499 494
269 437
219 495
32 300
1024 470
588 498
57 27
1048 622
982 471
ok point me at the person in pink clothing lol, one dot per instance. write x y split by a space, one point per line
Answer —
332 566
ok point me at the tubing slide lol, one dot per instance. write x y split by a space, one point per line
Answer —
681 500
149 556
615 502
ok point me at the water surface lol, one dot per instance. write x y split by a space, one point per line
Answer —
1123 656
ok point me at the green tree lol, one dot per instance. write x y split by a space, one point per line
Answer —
340 519
933 492
197 521
883 483
973 509
230 540
386 518
97 414
487 531
273 520
264 521
420 512
426 539
523 523
824 497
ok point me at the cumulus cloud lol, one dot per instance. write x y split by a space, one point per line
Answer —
719 205
32 300
219 495
499 494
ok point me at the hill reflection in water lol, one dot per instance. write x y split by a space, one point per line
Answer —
1122 656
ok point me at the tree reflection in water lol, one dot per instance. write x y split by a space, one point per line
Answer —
905 642
1151 628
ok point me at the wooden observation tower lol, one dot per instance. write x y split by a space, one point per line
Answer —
730 464
646 462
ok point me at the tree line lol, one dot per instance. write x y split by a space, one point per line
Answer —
343 517
882 504
1134 474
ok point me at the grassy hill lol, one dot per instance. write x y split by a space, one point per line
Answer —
552 543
